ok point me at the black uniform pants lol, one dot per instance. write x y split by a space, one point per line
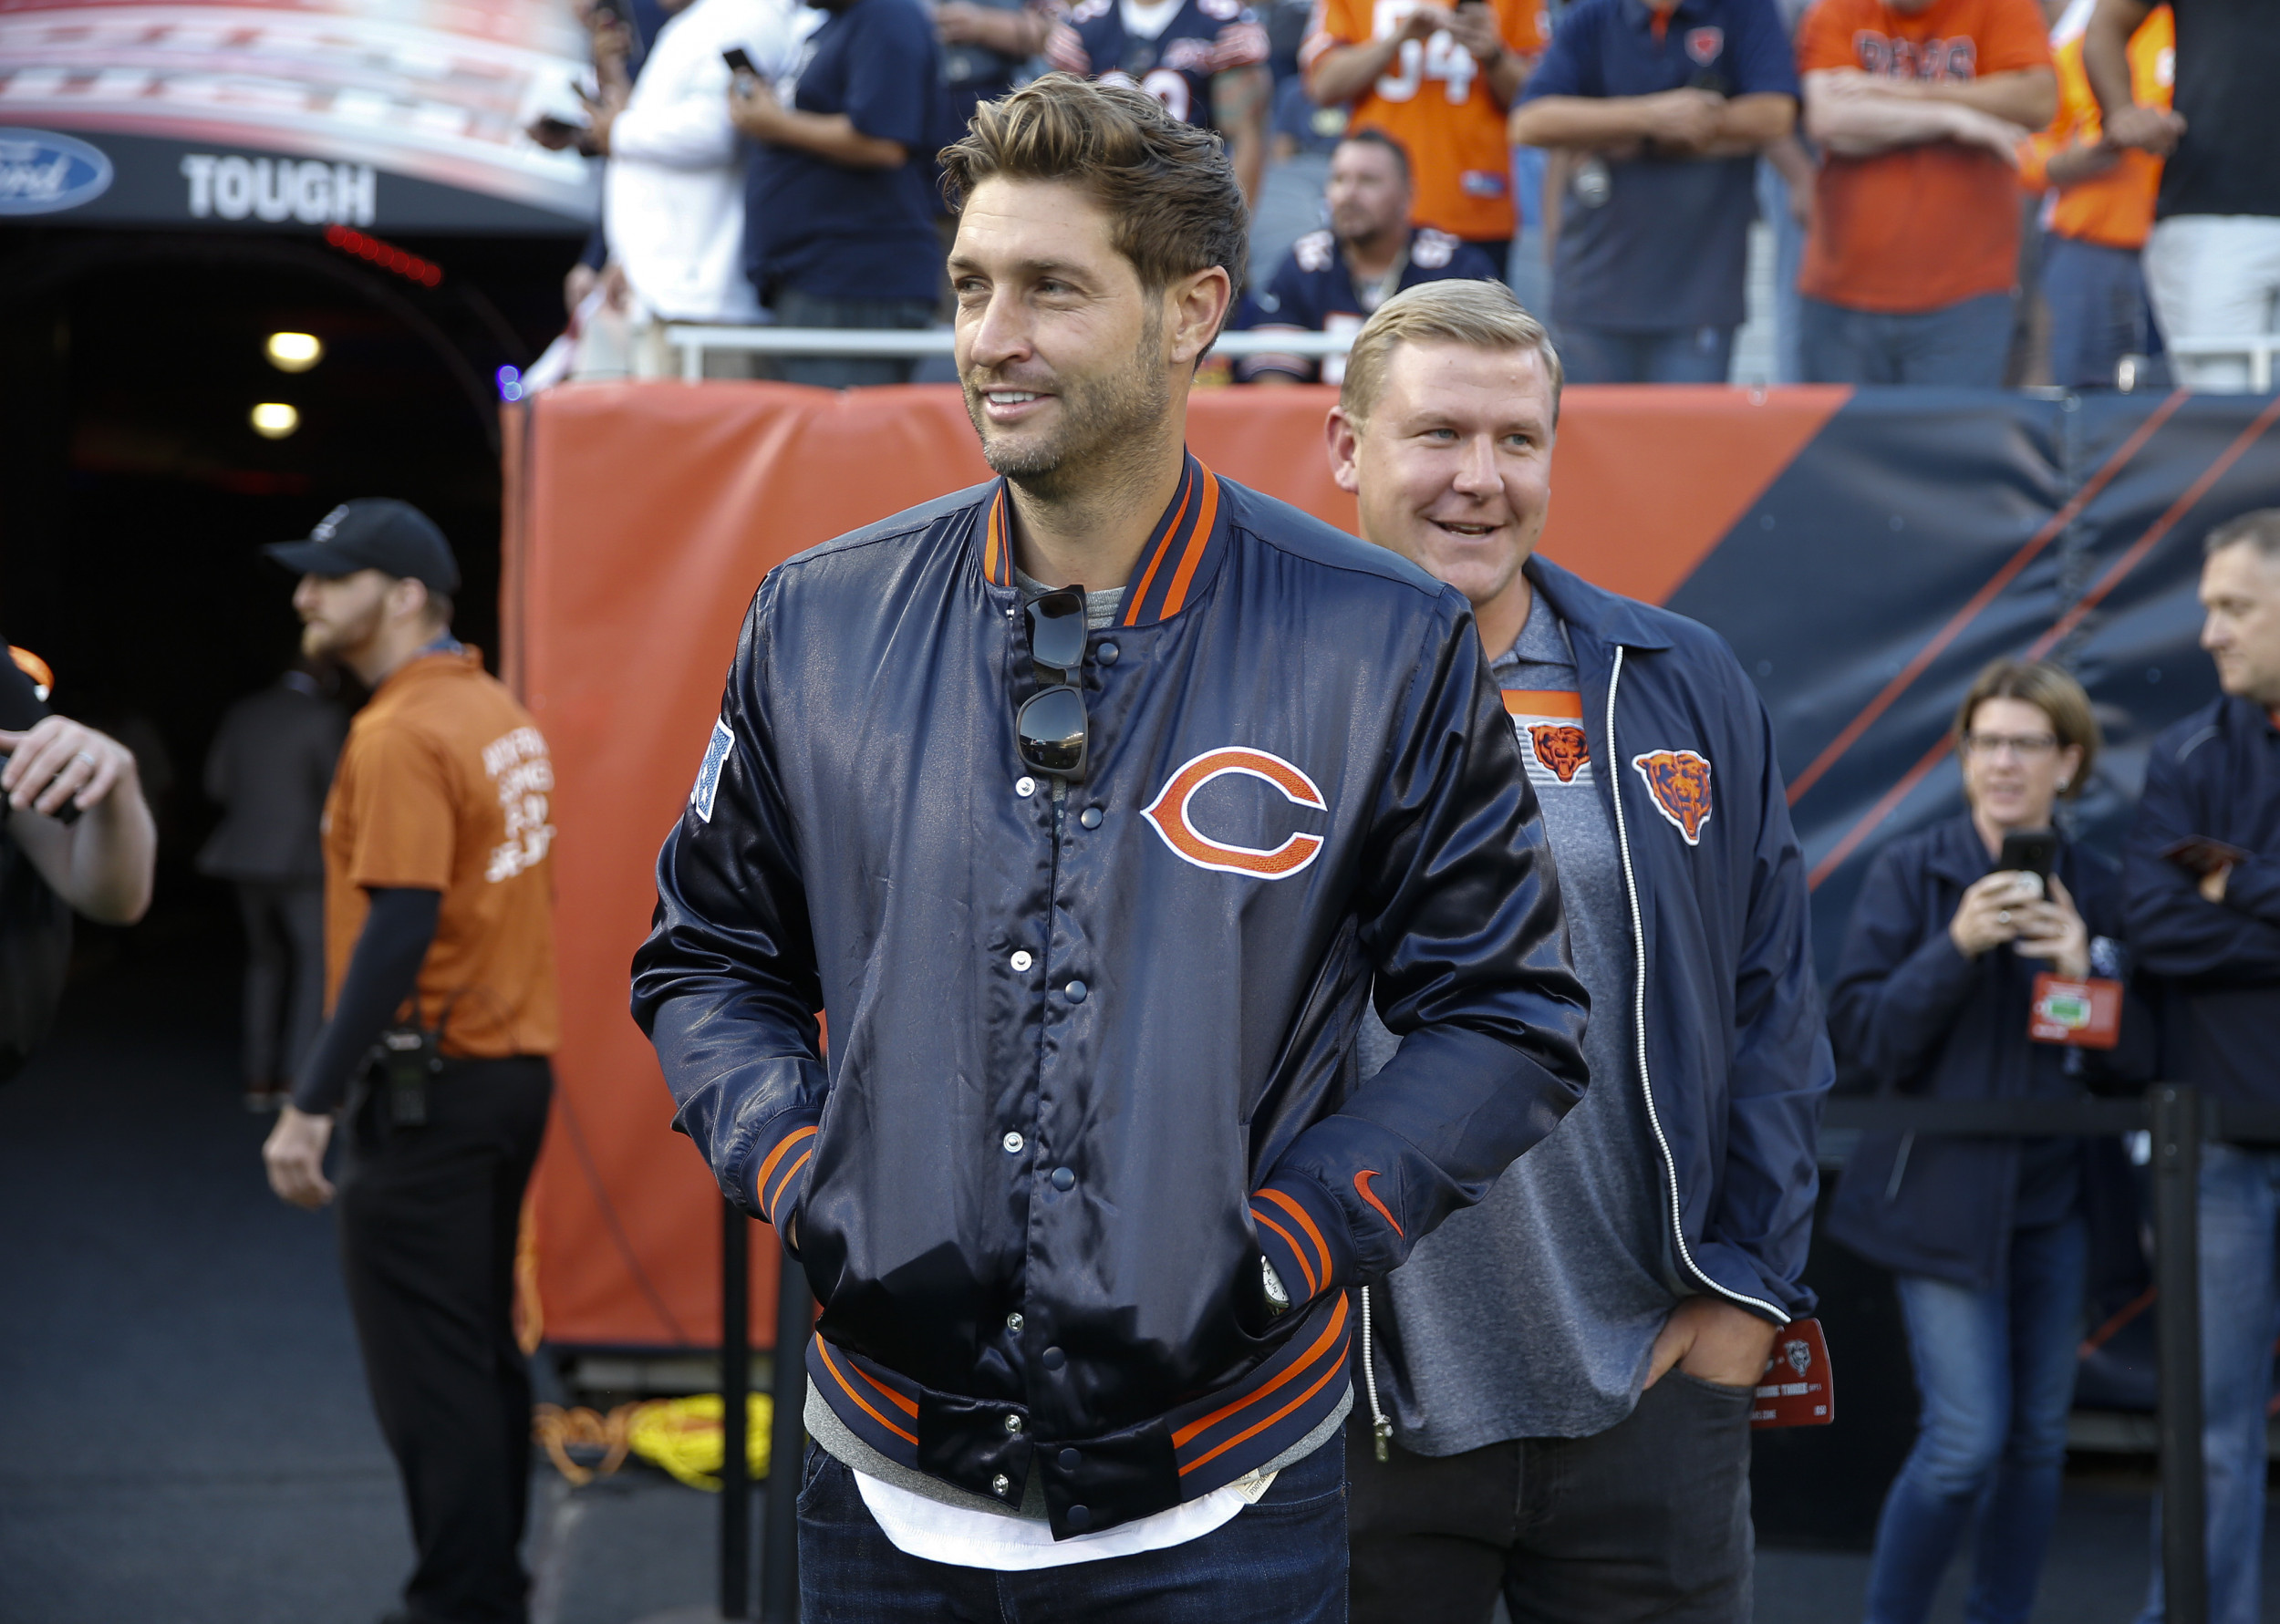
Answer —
428 1224
1648 1519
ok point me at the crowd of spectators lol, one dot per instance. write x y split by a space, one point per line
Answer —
1962 192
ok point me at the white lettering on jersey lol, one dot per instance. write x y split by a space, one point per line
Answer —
519 767
1439 58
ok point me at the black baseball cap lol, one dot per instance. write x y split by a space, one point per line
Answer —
374 532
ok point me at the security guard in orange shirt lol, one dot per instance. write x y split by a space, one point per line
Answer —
440 975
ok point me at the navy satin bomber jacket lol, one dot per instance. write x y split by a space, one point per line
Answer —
1092 1055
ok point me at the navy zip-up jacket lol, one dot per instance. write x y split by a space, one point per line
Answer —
2215 773
1729 1033
1920 1019
1091 1056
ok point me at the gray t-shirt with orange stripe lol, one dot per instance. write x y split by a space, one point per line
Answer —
1532 1314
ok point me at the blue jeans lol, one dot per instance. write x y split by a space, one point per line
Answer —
2240 1216
794 308
1961 346
1284 1558
1788 254
2098 310
1996 1372
1659 356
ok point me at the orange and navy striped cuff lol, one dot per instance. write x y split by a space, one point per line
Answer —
1303 1234
782 1173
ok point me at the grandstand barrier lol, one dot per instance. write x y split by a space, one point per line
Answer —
693 342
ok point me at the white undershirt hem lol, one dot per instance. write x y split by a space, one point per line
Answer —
935 1532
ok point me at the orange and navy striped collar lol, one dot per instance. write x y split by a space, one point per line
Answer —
1179 558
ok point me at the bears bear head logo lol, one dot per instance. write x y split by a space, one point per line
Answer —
1561 747
1679 779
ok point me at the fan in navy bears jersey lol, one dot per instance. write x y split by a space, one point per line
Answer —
1205 60
1559 1379
1331 280
1088 805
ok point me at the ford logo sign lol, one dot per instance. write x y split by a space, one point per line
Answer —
41 173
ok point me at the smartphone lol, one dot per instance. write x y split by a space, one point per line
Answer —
2197 853
739 60
2030 852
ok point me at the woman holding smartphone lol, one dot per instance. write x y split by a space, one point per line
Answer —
1986 1236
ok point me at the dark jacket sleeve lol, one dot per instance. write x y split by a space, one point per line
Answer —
1459 908
1781 1070
1901 977
381 974
725 983
2174 931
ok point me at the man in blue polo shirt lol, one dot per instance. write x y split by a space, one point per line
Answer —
838 219
1662 107
1331 280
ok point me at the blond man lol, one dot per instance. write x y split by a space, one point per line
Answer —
1559 1380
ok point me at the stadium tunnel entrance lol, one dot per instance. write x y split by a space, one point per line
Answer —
135 488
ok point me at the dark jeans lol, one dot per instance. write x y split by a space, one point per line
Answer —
1961 346
427 1223
1283 1559
1996 1372
795 309
2098 311
1648 1519
284 976
1665 356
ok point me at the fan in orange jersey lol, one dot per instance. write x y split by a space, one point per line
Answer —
2101 209
1439 81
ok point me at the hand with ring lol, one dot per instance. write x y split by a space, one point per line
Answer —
59 762
1986 918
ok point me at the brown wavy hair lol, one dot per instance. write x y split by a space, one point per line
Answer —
1170 193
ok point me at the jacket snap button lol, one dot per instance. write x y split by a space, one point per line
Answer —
1025 787
1107 653
1020 959
1012 1424
1090 817
1071 1460
1013 1142
1078 1517
1001 1484
1063 1179
1013 1322
1053 1359
1075 990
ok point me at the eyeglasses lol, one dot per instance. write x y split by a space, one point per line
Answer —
2027 747
1051 727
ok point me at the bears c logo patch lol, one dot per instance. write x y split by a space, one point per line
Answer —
1168 814
1679 779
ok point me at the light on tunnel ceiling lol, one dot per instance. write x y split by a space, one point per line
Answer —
293 352
273 420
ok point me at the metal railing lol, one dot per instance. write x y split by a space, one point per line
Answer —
2257 349
692 343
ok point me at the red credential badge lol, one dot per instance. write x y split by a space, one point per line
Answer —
1797 1389
2082 1014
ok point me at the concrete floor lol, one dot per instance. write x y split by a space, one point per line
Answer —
187 1439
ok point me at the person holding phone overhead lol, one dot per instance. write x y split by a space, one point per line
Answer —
1937 989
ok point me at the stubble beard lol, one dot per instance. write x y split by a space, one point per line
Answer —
1101 416
339 640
